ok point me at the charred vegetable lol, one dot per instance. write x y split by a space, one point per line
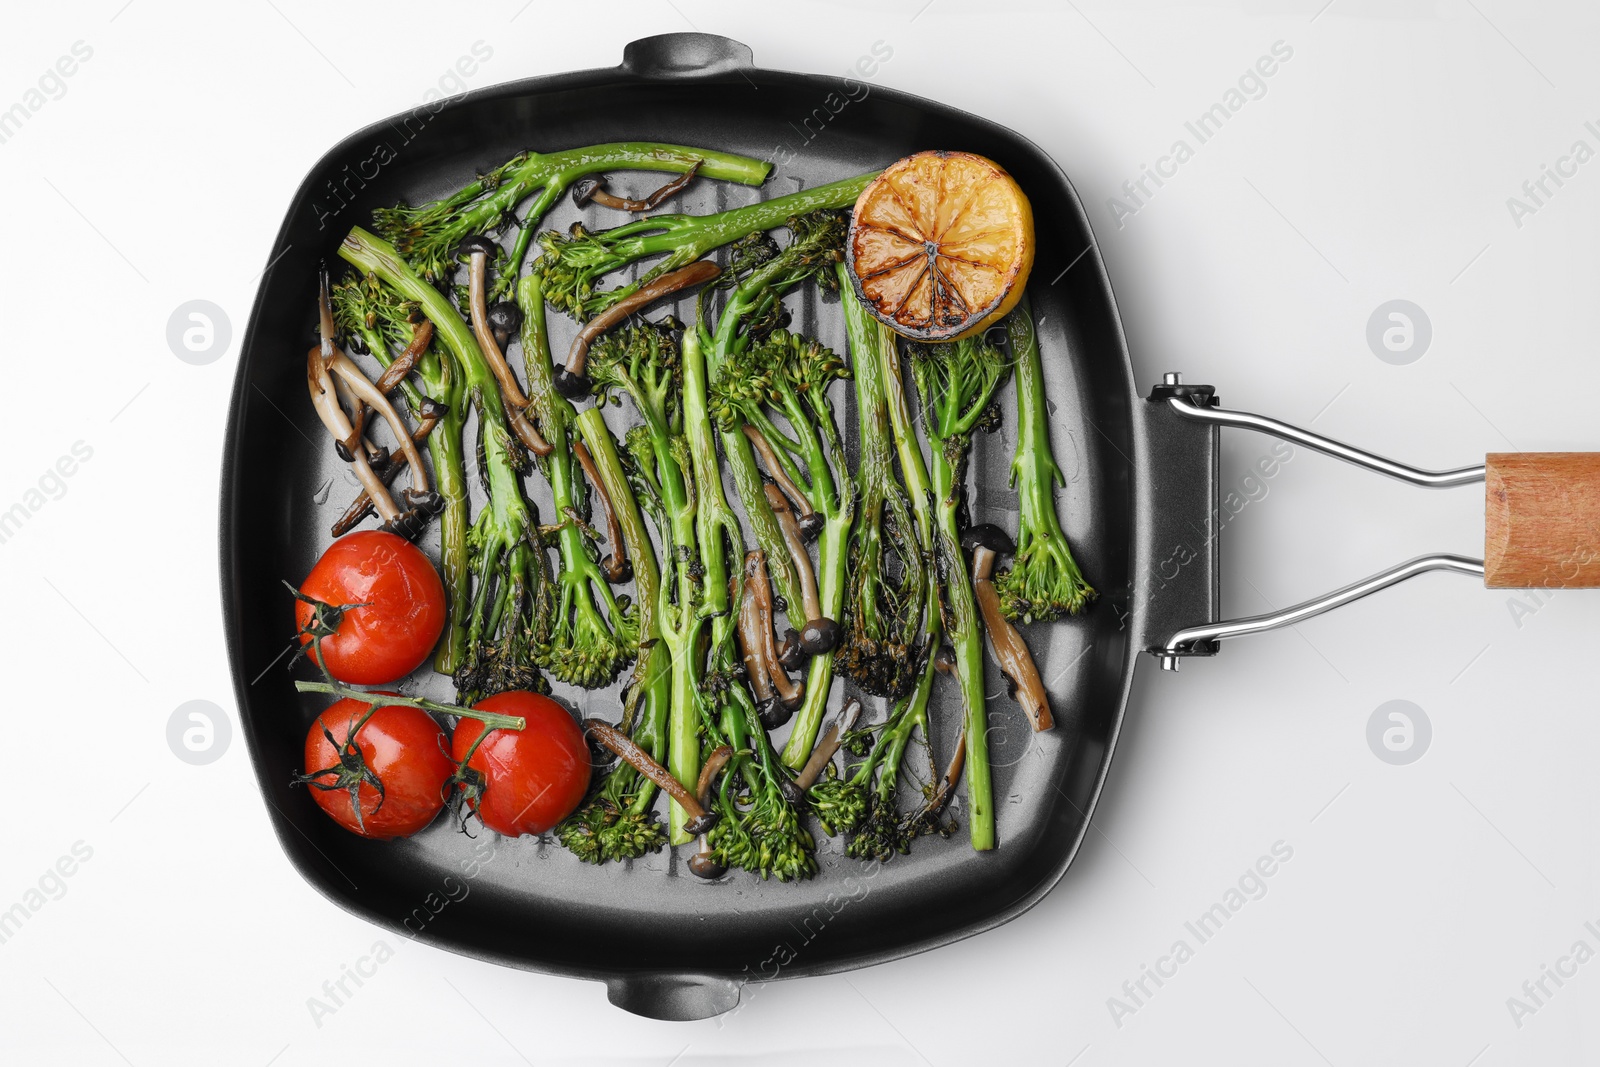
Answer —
956 384
374 314
863 801
762 371
889 569
512 590
574 263
1043 581
618 823
593 633
427 235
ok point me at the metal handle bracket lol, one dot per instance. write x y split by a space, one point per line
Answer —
1202 640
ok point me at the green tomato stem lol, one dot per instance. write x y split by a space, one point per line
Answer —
490 720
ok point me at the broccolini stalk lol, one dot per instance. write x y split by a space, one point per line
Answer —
367 308
647 362
758 368
759 274
578 644
802 370
1043 581
574 262
507 560
889 575
766 836
618 823
956 383
427 235
759 830
717 531
857 803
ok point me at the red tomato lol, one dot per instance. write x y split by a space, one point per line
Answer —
402 746
532 778
404 609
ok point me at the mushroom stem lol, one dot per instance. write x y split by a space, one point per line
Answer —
940 798
361 506
594 188
1009 648
406 361
708 774
699 820
703 864
751 647
776 695
388 382
430 412
570 379
615 565
828 744
820 634
790 656
325 399
362 388
516 400
807 518
760 585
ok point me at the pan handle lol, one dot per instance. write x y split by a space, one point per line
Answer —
674 997
1198 404
1542 520
686 55
1185 641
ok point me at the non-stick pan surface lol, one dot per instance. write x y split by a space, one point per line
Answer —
667 943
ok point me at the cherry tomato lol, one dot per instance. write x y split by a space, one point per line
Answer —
402 747
531 778
404 611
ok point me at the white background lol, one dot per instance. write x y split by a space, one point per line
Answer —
1376 166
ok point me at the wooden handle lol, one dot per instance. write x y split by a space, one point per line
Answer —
1542 520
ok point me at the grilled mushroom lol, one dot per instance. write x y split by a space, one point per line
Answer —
939 799
478 249
406 361
819 634
327 368
790 656
703 864
594 188
615 565
789 692
751 648
395 372
571 382
431 412
776 695
829 743
806 516
325 399
700 820
505 319
986 543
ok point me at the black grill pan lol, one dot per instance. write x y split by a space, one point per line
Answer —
667 944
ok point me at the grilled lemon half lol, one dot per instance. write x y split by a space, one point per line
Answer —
940 245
